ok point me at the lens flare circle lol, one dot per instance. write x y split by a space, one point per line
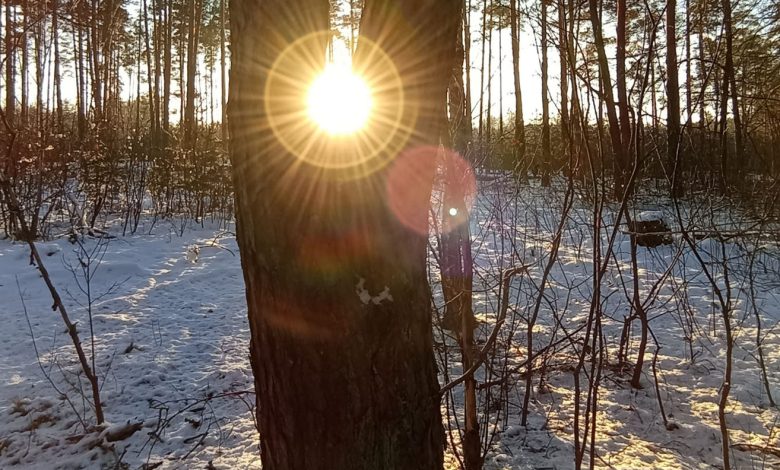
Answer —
408 187
339 101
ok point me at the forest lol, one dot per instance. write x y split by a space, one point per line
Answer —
389 234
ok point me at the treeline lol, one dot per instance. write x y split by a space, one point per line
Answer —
111 105
689 89
105 102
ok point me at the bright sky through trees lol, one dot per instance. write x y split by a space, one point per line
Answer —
501 72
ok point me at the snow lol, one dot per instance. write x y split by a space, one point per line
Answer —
365 296
650 216
172 340
684 316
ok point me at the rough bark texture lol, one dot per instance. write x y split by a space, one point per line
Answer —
345 377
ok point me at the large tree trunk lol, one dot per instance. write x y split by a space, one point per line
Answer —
337 293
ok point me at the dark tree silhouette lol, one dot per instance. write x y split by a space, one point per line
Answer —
337 292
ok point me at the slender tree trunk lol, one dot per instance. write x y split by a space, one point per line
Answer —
39 40
342 353
673 101
456 256
81 95
546 164
149 74
730 83
489 71
10 64
157 45
688 63
93 54
483 38
222 70
167 66
469 125
621 156
57 73
138 83
192 65
703 129
723 105
25 65
500 83
458 113
564 82
518 146
606 93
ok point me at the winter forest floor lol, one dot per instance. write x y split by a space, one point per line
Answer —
171 344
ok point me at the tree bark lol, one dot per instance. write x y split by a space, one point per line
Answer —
57 75
190 125
730 83
606 91
222 70
459 115
673 99
483 39
621 155
545 101
518 146
564 82
336 285
10 64
25 65
167 60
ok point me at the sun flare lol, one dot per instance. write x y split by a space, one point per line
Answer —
339 101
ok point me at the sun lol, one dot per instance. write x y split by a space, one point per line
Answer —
339 101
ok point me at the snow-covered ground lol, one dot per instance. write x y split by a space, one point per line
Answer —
171 341
516 228
171 350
